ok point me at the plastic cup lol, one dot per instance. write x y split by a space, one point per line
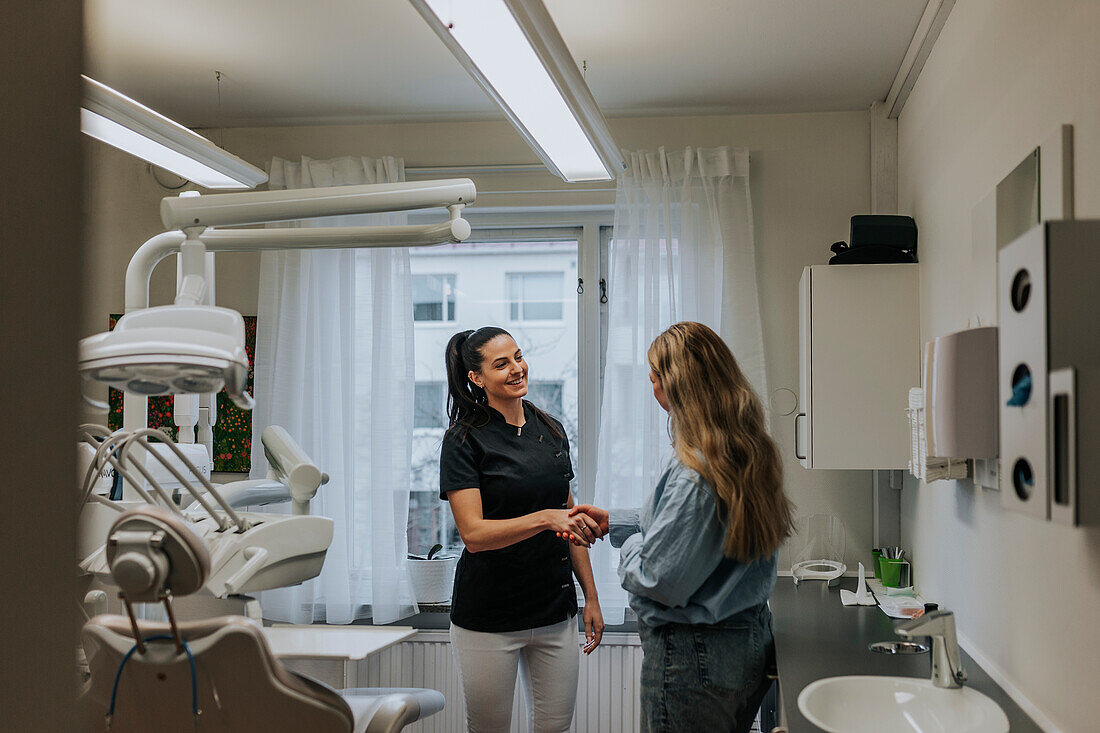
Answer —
891 572
876 562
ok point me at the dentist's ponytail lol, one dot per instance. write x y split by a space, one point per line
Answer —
467 405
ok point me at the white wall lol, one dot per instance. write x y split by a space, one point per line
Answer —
810 173
1002 77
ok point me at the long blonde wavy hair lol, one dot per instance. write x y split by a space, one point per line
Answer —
718 429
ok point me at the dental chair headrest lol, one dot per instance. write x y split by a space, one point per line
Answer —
153 552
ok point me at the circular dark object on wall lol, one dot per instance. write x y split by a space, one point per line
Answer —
1023 480
1020 292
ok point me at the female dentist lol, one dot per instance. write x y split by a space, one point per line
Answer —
699 559
504 467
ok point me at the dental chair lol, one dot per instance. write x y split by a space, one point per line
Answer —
210 675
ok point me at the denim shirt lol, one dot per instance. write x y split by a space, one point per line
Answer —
671 559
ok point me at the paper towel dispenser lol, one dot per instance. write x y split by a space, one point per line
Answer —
962 396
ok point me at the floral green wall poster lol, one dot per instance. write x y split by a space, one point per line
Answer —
233 430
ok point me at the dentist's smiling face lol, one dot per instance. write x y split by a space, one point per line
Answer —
503 373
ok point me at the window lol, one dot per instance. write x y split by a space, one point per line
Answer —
546 396
429 405
433 297
538 267
535 296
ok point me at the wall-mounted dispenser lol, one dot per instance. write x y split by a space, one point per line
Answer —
962 395
1048 300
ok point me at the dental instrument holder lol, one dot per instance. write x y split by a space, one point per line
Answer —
947 671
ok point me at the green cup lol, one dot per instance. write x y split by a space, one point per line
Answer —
895 573
876 562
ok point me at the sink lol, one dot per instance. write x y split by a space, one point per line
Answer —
864 704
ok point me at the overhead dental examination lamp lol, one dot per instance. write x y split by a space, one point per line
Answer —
177 349
195 347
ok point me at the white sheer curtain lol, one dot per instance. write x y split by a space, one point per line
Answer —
334 366
682 249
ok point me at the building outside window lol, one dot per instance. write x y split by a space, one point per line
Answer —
546 395
497 279
433 297
535 296
429 405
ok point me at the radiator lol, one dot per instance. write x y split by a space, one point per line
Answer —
607 687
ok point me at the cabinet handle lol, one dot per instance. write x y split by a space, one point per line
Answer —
796 434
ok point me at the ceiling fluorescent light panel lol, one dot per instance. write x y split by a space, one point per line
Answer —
514 51
117 120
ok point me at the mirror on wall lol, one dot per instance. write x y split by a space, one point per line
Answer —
1018 200
1039 187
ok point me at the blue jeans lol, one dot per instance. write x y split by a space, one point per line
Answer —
706 677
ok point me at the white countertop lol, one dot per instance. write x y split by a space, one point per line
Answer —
333 642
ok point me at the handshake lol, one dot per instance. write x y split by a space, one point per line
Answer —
582 524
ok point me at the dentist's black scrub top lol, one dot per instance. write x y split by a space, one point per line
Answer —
518 471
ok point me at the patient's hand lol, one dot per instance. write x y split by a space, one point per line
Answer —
596 520
589 529
602 516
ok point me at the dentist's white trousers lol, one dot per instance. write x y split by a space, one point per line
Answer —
547 659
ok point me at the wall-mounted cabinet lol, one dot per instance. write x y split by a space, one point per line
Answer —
859 346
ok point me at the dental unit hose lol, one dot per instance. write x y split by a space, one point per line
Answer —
194 677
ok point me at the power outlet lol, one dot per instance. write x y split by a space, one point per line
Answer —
987 473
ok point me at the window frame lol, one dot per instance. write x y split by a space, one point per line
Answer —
590 227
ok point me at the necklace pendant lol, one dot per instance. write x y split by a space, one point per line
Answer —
519 431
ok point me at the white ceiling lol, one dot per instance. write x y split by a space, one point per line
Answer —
341 61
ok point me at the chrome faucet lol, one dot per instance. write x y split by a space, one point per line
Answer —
947 668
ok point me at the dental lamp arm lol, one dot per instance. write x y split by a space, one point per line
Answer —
149 254
196 213
259 207
155 249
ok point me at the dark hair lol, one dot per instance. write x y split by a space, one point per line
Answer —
467 404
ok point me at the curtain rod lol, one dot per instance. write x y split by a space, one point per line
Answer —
450 170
